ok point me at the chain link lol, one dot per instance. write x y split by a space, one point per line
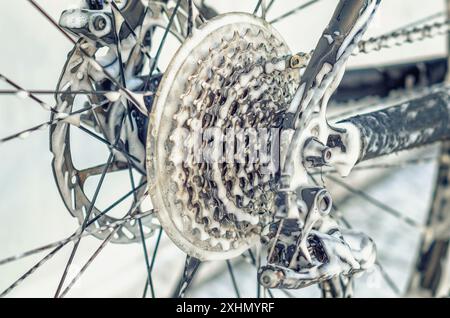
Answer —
398 38
385 41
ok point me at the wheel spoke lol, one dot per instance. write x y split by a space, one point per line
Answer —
295 10
257 266
257 7
113 146
60 116
155 250
46 107
117 28
161 44
33 269
190 22
21 90
25 92
377 203
50 19
287 293
91 206
112 206
25 133
269 5
75 236
190 269
233 279
83 226
389 281
147 263
116 11
141 231
90 260
60 244
262 4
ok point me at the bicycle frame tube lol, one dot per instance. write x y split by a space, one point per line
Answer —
411 124
416 123
338 37
306 112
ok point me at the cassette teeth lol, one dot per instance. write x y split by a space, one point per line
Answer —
249 84
230 78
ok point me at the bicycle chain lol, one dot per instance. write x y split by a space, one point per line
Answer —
386 41
404 36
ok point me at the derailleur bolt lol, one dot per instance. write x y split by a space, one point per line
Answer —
324 202
316 154
299 60
327 155
99 23
270 277
318 198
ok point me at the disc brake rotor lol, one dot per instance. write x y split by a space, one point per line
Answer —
79 74
229 75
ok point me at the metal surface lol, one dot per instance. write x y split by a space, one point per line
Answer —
305 118
125 60
222 78
412 124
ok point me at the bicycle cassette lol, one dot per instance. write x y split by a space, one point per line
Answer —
231 74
